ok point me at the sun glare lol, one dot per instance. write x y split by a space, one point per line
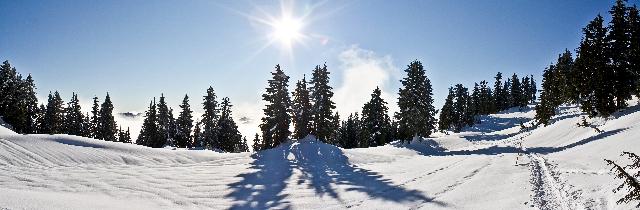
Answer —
287 30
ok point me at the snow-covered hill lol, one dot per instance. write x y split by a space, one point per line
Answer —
494 165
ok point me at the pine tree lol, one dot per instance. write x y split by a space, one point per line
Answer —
54 115
617 51
242 146
593 76
487 104
107 125
322 109
376 119
9 87
197 136
30 101
499 94
164 121
228 135
42 112
461 114
534 90
567 88
630 179
335 125
507 94
74 119
549 96
516 92
526 87
86 126
95 118
416 117
634 46
257 144
276 120
474 101
184 124
351 133
447 113
149 132
302 114
210 119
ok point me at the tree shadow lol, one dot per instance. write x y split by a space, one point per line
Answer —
490 124
323 167
263 188
496 150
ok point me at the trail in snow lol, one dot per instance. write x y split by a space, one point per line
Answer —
549 192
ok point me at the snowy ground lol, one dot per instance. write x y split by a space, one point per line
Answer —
495 165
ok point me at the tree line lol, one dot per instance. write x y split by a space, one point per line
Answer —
605 71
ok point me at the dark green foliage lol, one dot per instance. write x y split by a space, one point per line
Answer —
634 46
229 137
18 102
257 143
376 121
54 115
549 97
106 124
446 113
352 134
276 120
95 118
184 124
461 113
149 134
124 136
210 120
500 95
630 179
74 120
516 93
197 136
416 117
164 121
30 104
617 52
301 110
565 84
321 94
486 102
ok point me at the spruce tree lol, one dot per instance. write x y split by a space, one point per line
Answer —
516 92
197 136
107 124
634 46
9 94
446 113
74 119
549 96
507 94
376 120
565 72
54 115
416 115
95 118
164 121
322 108
86 125
351 133
302 114
210 120
149 134
499 94
276 120
487 104
617 51
228 135
257 144
461 110
184 124
474 101
242 146
31 105
42 112
526 87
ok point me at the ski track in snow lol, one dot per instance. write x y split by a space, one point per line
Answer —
549 192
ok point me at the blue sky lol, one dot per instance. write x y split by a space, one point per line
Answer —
137 49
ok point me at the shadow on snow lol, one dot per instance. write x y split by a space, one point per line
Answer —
322 168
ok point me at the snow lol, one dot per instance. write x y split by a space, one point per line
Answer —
494 165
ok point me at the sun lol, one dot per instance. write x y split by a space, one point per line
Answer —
287 30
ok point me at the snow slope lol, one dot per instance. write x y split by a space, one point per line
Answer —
494 165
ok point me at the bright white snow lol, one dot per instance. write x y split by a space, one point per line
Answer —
485 167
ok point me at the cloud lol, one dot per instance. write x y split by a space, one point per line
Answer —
362 70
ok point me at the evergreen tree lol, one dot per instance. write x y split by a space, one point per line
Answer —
516 92
630 179
487 104
594 78
276 120
302 114
74 119
228 135
634 46
351 133
86 126
416 117
549 96
376 121
242 146
42 112
184 124
149 134
10 82
474 101
526 87
30 102
210 119
321 94
447 113
164 121
335 125
567 88
95 118
534 90
499 94
107 125
257 145
197 136
54 115
617 51
461 114
507 91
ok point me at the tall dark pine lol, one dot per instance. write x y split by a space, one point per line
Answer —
107 127
593 75
210 120
302 114
74 119
499 94
376 119
549 97
228 134
461 116
31 105
534 90
9 93
526 87
164 121
487 104
566 85
95 118
634 46
446 113
351 133
197 136
54 115
416 117
184 124
617 51
322 109
276 120
149 134
257 143
516 92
